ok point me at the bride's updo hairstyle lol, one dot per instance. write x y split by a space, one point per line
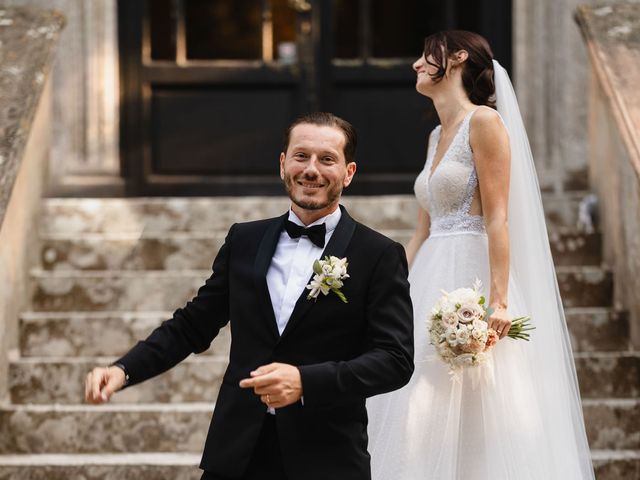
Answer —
477 70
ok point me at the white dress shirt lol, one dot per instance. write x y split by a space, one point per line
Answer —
291 269
292 266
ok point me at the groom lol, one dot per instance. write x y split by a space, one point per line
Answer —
302 361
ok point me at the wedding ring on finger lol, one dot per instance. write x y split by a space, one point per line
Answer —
268 399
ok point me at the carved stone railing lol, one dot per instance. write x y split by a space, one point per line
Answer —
612 35
27 43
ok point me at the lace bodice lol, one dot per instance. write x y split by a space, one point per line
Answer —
447 193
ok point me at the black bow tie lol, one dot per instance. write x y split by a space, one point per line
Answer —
316 233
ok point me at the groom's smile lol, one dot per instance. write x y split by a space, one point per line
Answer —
310 185
315 170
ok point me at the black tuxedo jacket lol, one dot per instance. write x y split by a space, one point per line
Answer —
345 352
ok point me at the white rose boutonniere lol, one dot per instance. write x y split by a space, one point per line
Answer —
330 274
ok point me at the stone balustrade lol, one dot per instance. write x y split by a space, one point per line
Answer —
27 44
612 35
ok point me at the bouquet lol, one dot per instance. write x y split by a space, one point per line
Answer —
459 330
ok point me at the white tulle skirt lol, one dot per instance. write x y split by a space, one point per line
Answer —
497 421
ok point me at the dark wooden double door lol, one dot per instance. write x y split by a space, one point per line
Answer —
209 86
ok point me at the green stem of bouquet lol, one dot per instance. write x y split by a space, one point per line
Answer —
518 328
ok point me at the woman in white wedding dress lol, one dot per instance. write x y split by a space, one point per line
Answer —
519 415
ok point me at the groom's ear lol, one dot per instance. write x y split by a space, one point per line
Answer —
351 170
282 157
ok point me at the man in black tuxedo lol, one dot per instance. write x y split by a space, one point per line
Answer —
302 360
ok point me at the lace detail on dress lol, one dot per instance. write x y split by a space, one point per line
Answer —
420 185
447 191
457 223
471 188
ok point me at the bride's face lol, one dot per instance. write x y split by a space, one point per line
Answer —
424 71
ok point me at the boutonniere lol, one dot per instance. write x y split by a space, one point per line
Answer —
329 276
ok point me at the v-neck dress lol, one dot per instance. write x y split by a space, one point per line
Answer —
487 424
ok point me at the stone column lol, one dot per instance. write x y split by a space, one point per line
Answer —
550 76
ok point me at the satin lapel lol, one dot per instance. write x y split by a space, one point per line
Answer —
337 246
265 253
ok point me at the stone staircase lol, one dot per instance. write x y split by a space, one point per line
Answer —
112 269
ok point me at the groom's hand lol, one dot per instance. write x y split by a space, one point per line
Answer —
277 384
102 383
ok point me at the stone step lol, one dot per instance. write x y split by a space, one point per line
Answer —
42 380
609 374
59 334
115 290
111 428
167 251
197 214
105 466
612 424
194 251
616 464
597 329
168 289
73 334
585 286
570 247
124 428
608 464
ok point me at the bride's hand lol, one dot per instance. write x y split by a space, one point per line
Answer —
500 321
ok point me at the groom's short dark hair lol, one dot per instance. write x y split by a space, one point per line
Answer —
326 119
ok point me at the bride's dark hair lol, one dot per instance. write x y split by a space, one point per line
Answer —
477 70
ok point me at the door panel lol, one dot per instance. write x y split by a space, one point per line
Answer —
232 140
385 116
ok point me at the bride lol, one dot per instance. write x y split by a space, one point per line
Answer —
519 415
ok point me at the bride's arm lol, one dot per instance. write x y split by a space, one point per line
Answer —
490 144
419 236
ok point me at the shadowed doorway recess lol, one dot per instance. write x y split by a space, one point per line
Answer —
208 87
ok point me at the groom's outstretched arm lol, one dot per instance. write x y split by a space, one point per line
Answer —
190 330
387 362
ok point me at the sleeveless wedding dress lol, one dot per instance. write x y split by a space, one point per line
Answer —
492 422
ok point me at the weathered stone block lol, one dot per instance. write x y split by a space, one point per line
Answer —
154 215
585 286
612 423
168 290
61 380
104 429
131 466
616 464
86 334
597 329
610 374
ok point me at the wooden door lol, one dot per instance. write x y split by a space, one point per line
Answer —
209 86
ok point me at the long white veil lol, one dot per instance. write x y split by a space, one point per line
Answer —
532 268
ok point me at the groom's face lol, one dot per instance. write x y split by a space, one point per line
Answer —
314 167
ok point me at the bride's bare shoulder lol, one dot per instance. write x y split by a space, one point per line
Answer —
486 117
486 126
